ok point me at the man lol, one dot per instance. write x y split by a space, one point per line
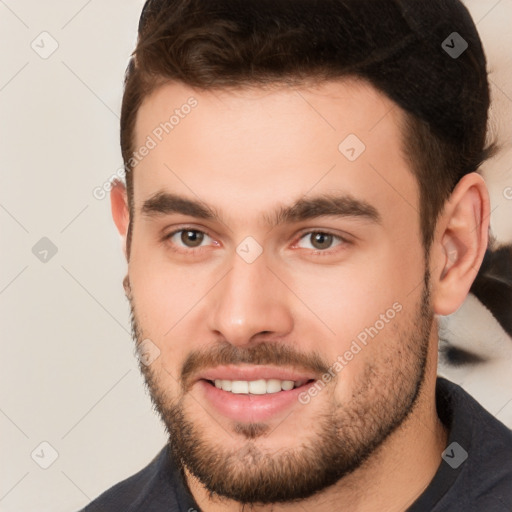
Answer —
301 201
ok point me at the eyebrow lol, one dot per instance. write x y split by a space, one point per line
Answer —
164 203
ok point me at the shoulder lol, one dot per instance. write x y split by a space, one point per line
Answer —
150 487
485 476
468 419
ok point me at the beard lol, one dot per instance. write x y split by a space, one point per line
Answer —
342 438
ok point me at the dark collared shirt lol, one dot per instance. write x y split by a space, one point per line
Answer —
475 474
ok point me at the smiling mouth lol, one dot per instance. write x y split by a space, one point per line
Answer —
257 387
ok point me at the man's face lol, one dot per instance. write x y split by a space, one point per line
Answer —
329 297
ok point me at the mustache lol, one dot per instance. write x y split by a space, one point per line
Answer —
224 353
262 353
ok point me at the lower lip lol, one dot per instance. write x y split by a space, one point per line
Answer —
248 407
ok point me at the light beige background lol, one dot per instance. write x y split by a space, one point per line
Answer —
67 369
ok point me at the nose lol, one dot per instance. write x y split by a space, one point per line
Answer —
250 301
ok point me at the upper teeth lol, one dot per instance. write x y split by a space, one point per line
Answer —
257 387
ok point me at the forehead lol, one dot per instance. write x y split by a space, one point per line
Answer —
247 149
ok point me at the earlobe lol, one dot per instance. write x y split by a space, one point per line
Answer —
461 240
120 212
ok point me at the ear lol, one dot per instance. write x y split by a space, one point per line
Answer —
120 211
460 243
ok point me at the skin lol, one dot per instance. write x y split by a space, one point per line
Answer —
245 153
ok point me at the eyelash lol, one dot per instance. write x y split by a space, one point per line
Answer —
198 250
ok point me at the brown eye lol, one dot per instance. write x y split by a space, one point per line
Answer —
321 240
191 238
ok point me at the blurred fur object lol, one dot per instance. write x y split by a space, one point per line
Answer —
475 342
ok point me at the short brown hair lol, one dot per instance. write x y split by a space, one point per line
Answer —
395 45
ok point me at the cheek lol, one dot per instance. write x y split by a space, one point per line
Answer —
352 295
164 296
163 291
368 303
